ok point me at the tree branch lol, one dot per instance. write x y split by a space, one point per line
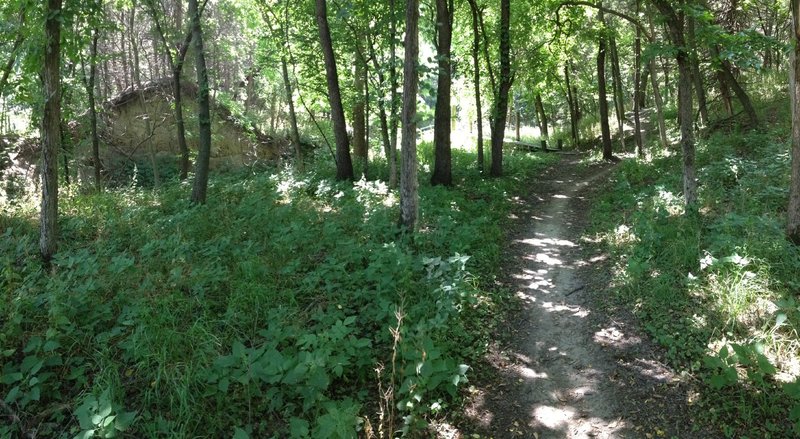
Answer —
622 15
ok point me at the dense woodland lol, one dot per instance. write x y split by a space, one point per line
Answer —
271 218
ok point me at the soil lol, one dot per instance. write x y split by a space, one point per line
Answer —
570 363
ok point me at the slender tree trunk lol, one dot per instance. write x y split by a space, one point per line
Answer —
517 123
726 75
601 82
637 95
619 97
697 75
359 117
793 223
501 101
657 99
122 40
203 112
571 101
294 132
542 116
344 164
409 196
442 174
51 132
643 84
725 93
134 47
393 117
476 78
676 35
383 118
90 92
183 147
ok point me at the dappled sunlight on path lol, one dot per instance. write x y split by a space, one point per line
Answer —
570 372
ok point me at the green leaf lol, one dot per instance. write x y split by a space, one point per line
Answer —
85 434
298 428
238 433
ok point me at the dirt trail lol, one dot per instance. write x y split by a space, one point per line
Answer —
574 366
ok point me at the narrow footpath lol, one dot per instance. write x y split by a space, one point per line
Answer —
572 364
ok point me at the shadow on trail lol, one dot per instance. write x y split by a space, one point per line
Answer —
572 370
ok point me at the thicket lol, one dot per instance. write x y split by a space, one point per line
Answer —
286 308
717 287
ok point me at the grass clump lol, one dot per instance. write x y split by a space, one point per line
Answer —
265 313
716 288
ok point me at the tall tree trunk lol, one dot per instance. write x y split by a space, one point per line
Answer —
134 46
51 132
517 123
393 117
725 93
657 99
675 27
90 92
476 77
643 81
542 116
697 75
294 132
442 174
383 118
637 83
183 147
409 196
601 83
203 111
344 164
725 72
501 101
573 116
176 61
619 97
359 117
793 223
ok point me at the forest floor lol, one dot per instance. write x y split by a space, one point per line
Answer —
570 363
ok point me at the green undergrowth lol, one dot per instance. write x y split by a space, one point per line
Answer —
718 288
288 306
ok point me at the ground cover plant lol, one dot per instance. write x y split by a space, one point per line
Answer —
717 287
265 314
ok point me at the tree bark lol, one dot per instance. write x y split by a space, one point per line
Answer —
637 94
676 35
601 83
359 118
409 196
51 132
294 132
542 116
619 97
476 78
176 62
393 118
90 92
573 116
501 101
793 223
442 173
697 75
726 76
344 163
657 99
204 110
